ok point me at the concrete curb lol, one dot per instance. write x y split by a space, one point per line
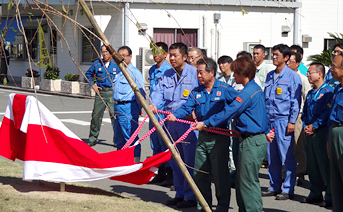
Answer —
10 87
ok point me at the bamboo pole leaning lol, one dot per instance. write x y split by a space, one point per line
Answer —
119 61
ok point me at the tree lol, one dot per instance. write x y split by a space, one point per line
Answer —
326 57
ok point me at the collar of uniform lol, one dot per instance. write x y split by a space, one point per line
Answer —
163 65
260 66
285 69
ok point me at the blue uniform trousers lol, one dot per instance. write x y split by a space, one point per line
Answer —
125 124
156 142
336 166
187 153
318 166
280 152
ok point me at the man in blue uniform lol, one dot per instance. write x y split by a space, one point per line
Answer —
283 97
337 49
211 150
298 49
336 137
174 89
315 116
165 173
104 71
127 107
252 123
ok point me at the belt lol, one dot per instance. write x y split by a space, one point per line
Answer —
122 102
337 124
106 89
248 134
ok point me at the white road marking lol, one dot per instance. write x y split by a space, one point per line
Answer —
23 92
74 121
108 120
70 112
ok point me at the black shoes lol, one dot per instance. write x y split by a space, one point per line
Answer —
186 203
173 201
284 196
326 204
310 200
92 143
269 193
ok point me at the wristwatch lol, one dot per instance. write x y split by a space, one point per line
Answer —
205 126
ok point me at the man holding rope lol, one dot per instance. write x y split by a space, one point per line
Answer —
174 89
211 149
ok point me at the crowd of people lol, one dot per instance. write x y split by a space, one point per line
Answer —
287 115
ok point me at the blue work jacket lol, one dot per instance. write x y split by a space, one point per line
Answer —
122 90
155 74
175 92
317 106
248 109
283 95
337 105
102 78
207 104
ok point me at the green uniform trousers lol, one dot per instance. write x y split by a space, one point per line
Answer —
98 113
336 167
211 153
248 190
318 165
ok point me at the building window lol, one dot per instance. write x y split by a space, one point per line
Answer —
89 54
16 48
170 36
329 43
32 39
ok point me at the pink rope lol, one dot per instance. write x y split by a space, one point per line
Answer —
221 131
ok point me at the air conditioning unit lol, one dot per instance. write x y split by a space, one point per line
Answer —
146 61
249 46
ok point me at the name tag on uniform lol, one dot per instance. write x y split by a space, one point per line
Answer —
278 90
185 93
217 98
198 96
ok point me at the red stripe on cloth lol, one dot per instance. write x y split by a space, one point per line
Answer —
145 174
18 109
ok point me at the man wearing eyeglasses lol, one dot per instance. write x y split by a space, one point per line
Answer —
100 75
127 107
315 116
283 97
299 136
335 142
194 54
338 49
298 49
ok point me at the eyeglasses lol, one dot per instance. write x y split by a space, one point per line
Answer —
337 52
124 55
104 52
311 72
193 58
291 61
276 55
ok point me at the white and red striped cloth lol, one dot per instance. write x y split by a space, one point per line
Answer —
50 151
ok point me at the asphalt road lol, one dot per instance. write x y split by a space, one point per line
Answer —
75 113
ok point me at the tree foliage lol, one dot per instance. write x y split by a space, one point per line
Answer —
326 56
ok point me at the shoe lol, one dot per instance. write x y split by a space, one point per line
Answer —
173 201
269 193
186 203
300 180
92 143
169 181
326 204
284 196
160 177
233 185
311 200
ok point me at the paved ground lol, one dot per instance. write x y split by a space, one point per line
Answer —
78 122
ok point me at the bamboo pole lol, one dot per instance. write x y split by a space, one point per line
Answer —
118 59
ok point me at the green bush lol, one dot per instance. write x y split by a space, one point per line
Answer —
28 73
72 77
52 73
